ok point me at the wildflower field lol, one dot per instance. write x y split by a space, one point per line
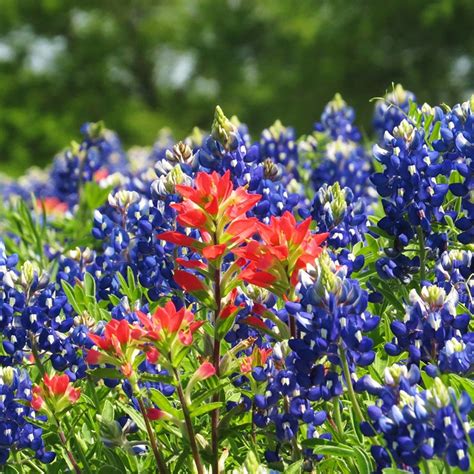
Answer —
242 302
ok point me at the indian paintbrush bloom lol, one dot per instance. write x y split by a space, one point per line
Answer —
168 326
285 248
119 346
54 393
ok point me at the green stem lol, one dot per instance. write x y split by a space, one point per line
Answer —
36 356
71 457
216 362
162 469
337 416
350 388
60 432
447 467
80 450
189 425
18 462
421 241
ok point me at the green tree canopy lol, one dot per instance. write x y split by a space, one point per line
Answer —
144 64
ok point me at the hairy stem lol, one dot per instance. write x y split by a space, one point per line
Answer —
189 425
216 362
151 435
350 388
71 457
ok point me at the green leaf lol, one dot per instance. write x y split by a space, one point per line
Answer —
108 411
134 415
106 373
69 290
163 403
197 411
89 285
295 468
108 469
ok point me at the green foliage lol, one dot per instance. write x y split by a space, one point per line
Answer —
140 64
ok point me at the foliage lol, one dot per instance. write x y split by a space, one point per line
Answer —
222 305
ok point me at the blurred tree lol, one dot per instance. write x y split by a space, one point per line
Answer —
144 64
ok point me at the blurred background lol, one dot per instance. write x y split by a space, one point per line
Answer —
141 65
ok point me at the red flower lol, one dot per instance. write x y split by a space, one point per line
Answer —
100 174
285 248
118 346
116 335
52 205
166 323
214 251
211 197
187 281
258 358
154 413
57 390
178 239
205 371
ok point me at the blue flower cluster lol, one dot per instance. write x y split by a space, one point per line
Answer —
433 330
99 155
337 155
412 196
16 432
36 318
417 423
337 212
392 109
456 142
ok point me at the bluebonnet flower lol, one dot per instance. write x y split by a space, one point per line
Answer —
454 269
418 424
337 120
127 226
99 154
391 110
333 316
225 150
412 196
36 316
456 142
337 212
278 144
334 153
277 198
431 321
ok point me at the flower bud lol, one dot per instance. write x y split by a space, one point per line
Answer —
223 130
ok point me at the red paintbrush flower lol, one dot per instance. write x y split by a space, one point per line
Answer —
52 205
119 346
212 199
54 393
285 248
167 323
188 282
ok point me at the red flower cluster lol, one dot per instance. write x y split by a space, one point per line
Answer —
166 331
119 346
167 323
218 211
285 248
56 392
212 200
